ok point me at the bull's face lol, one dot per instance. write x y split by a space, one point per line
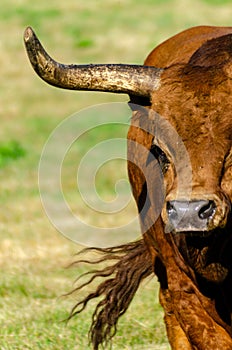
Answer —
196 100
191 163
201 116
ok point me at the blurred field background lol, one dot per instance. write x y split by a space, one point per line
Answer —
33 255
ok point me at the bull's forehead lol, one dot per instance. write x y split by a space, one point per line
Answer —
197 102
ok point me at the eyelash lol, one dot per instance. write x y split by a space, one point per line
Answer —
161 157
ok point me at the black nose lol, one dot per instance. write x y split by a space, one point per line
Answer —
190 215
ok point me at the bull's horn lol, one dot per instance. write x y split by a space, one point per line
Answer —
118 78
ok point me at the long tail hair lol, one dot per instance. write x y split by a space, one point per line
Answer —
131 264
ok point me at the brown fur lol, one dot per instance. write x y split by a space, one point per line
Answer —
195 273
131 265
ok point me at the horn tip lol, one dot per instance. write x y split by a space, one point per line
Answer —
28 34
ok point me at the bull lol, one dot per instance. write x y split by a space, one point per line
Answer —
188 81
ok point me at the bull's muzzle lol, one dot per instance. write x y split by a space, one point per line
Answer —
190 216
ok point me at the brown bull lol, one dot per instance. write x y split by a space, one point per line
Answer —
187 81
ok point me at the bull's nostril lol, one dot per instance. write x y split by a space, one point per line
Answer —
171 210
170 207
207 210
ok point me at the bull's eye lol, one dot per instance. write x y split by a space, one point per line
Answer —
161 157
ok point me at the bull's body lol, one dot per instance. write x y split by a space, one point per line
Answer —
193 260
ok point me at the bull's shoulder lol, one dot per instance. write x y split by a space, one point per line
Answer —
179 48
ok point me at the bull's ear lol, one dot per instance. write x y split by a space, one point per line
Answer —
134 80
138 103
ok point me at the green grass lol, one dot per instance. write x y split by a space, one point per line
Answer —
10 151
33 256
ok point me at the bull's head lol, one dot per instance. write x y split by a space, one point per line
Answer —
195 99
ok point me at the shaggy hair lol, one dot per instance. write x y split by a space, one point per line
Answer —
132 264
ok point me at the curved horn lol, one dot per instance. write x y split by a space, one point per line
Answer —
117 78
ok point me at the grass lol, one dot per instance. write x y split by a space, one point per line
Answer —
33 255
9 151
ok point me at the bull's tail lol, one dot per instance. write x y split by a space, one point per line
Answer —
131 264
